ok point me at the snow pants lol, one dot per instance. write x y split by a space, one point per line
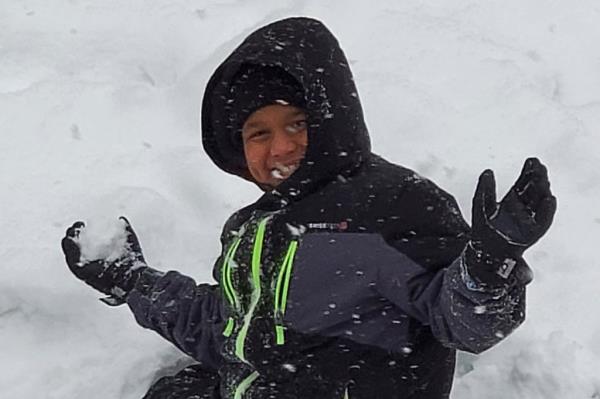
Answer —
193 382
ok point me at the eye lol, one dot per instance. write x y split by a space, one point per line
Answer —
296 126
256 135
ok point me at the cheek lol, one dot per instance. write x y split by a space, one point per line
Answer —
255 157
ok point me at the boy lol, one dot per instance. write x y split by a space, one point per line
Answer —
350 277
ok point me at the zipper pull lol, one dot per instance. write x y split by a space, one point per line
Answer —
229 327
279 329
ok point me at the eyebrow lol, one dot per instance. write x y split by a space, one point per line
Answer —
252 125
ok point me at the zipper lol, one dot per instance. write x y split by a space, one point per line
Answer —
228 285
256 292
281 292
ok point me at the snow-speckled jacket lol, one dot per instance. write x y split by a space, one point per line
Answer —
347 281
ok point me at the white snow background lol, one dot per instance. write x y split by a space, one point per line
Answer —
99 118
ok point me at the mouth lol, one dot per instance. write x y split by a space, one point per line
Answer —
283 171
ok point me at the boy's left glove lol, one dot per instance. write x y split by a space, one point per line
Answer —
502 231
114 278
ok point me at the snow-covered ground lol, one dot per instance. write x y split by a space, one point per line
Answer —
99 118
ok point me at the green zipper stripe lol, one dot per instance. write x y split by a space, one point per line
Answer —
228 286
280 280
255 297
288 273
281 293
224 272
257 252
235 301
244 385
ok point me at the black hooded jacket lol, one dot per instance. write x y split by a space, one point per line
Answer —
347 280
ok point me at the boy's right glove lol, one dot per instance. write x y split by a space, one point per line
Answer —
114 278
501 232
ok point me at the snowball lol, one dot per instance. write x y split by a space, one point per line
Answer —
106 239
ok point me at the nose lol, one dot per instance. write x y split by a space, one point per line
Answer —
282 144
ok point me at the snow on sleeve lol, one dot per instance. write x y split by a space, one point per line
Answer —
103 239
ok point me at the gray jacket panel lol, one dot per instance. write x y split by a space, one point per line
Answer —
357 286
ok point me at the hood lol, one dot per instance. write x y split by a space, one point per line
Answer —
338 141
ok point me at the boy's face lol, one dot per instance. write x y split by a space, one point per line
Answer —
275 141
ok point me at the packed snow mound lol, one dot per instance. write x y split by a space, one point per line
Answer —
551 367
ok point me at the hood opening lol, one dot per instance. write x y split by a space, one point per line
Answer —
338 140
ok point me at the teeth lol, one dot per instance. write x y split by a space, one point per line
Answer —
276 173
283 171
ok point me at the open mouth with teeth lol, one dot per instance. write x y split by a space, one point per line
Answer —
282 172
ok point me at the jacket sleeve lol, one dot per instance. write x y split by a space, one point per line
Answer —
188 315
429 280
460 313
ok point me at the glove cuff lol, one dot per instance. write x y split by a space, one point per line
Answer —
147 279
492 269
124 283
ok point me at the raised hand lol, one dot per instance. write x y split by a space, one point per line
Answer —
502 231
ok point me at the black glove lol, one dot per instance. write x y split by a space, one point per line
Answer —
113 278
501 232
